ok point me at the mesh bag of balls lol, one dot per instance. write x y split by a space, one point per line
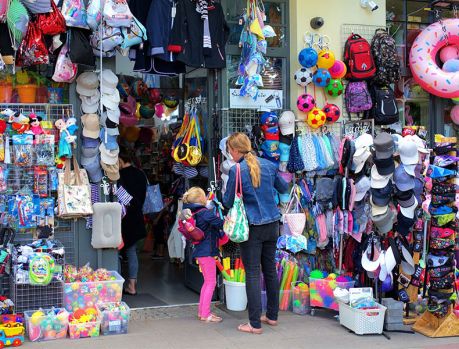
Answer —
324 71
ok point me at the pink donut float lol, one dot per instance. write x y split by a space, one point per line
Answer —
423 55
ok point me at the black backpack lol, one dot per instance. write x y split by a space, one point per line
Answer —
384 51
385 110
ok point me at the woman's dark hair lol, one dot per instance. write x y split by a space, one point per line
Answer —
126 154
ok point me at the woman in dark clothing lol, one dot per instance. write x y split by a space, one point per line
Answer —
132 226
259 178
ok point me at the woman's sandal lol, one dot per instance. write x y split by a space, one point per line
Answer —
267 321
247 328
211 318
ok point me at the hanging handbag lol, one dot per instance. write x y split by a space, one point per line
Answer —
106 224
195 152
52 23
74 192
117 13
294 216
134 35
74 12
65 70
182 151
153 200
33 49
236 225
80 51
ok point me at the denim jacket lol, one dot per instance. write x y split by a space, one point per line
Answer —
212 227
260 203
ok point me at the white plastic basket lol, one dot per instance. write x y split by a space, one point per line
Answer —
370 321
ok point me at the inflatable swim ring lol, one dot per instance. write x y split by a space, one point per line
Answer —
423 55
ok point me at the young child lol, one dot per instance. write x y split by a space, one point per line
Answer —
206 250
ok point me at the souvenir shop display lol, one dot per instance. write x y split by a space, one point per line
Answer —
85 287
114 318
47 324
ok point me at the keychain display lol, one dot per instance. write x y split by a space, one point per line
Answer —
44 149
22 149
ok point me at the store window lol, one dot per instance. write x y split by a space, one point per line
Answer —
275 86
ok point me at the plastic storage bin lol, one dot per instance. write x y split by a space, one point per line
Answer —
52 324
300 300
321 292
85 330
114 318
370 321
235 295
79 295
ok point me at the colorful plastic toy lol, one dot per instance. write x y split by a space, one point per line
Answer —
308 57
332 112
303 76
316 118
48 324
338 70
300 298
11 334
335 88
321 290
114 318
321 77
326 59
84 323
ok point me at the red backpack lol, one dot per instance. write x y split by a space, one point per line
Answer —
358 58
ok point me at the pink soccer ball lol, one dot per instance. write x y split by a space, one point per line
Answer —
305 103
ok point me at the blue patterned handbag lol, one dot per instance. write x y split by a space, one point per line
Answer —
153 200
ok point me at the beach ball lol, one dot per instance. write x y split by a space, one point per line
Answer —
335 88
316 118
451 65
308 57
332 113
338 70
455 114
449 52
321 77
326 59
303 76
305 102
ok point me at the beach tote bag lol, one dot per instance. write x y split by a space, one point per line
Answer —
236 225
74 192
153 200
294 216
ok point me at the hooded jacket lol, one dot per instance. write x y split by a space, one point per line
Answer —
187 36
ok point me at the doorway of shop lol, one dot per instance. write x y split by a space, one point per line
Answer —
167 275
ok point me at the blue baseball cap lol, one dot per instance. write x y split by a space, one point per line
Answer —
110 142
269 119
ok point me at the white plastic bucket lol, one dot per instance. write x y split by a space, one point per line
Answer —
236 298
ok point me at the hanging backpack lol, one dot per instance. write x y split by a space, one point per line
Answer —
33 50
385 110
358 58
117 13
387 62
74 12
110 39
357 97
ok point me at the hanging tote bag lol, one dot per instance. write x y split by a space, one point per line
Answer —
153 200
236 225
65 70
117 13
33 50
294 216
195 154
74 192
52 23
74 12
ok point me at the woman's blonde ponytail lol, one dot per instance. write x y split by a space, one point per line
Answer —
241 143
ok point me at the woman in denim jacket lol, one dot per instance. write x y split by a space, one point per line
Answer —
260 181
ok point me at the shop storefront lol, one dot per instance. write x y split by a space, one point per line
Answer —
284 73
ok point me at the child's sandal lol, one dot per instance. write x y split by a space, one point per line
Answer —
211 318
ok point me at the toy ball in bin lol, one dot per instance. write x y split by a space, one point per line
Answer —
47 324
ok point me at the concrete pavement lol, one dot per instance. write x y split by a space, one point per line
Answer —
177 328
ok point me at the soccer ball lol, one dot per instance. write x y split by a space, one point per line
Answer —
326 59
321 77
303 77
308 57
316 118
334 88
305 102
332 112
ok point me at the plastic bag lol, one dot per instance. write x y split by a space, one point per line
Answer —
22 149
44 150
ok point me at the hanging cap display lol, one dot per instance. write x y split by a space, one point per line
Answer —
269 119
361 187
408 151
87 84
91 126
384 145
403 181
287 123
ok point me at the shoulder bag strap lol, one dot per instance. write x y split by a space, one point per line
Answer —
238 180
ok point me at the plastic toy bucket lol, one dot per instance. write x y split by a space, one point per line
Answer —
236 298
27 93
6 93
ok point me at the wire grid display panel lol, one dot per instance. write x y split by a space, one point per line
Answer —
64 230
29 297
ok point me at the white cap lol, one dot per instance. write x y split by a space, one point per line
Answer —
108 157
87 84
287 123
408 151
